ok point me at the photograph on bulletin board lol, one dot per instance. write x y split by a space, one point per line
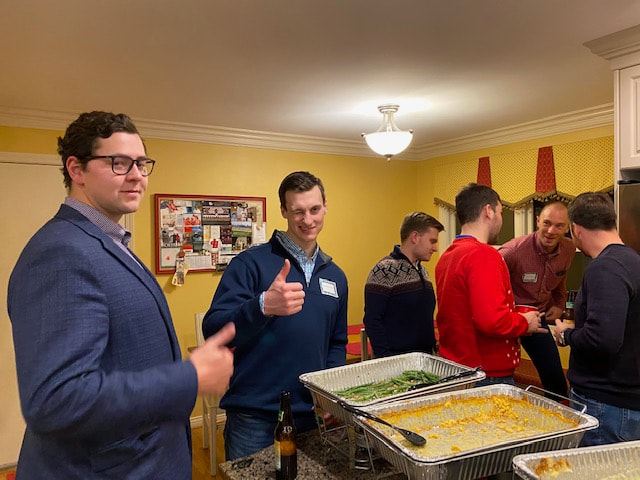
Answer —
207 231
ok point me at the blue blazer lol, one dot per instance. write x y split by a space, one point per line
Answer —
102 386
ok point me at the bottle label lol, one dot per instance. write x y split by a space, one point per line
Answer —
276 446
286 448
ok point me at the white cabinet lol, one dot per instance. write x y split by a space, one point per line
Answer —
622 50
628 116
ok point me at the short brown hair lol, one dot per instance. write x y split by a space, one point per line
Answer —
299 182
593 211
82 134
418 222
472 199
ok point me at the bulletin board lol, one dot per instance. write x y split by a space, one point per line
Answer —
208 230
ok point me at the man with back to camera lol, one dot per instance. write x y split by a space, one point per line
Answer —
288 301
476 319
538 264
102 386
604 364
399 300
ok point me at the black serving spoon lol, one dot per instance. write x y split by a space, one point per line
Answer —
455 376
413 437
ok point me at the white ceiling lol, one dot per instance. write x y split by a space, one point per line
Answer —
314 68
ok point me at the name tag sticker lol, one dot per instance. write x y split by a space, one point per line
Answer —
531 277
327 287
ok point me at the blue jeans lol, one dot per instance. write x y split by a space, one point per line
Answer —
495 381
616 424
245 434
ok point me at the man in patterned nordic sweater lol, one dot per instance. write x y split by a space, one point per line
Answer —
398 297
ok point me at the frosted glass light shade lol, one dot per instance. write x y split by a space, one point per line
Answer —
388 144
389 140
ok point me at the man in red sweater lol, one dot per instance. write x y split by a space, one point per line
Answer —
476 318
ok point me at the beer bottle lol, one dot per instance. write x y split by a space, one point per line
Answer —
285 441
569 314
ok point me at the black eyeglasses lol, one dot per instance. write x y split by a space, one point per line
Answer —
122 164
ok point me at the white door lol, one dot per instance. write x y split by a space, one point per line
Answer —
32 191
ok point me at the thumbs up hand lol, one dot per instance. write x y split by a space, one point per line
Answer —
283 298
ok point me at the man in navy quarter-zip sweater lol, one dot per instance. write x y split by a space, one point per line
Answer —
288 301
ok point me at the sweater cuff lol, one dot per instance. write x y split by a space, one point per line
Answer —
567 336
261 302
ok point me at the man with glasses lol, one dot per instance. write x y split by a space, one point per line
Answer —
103 389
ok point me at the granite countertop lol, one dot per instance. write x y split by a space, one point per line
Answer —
315 461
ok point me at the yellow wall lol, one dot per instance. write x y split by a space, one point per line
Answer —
426 169
367 199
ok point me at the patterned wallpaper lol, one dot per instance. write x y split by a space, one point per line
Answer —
579 166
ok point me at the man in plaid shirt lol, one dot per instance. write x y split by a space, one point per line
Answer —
538 265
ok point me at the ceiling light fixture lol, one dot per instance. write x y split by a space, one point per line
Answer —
389 140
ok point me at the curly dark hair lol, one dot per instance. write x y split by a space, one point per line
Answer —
81 136
299 182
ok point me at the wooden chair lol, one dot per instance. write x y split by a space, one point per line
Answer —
360 347
210 409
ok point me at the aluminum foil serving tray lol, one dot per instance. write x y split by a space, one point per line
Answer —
605 462
324 383
491 459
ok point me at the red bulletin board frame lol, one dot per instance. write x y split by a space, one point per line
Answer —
162 201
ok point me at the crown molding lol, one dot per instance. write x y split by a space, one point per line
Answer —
188 132
33 118
251 138
621 48
598 116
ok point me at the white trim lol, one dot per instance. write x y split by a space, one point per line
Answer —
196 421
448 219
8 466
601 115
523 220
189 132
252 138
30 159
621 48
